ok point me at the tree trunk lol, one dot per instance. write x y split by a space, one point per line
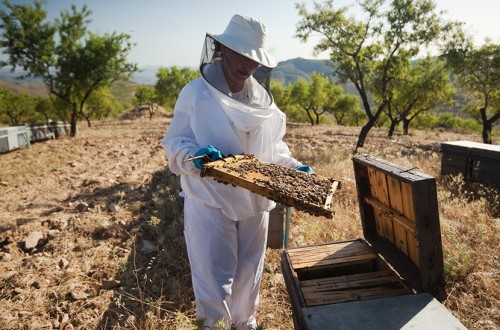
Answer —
487 132
392 127
311 119
368 126
406 126
364 133
74 119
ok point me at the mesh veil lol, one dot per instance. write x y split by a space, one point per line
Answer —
211 52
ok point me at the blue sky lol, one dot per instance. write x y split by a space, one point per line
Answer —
171 32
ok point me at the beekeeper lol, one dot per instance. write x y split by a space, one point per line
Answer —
228 110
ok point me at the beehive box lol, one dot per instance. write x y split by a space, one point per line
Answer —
275 230
477 162
398 262
307 192
13 137
59 128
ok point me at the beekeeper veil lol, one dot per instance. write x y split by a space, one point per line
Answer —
245 36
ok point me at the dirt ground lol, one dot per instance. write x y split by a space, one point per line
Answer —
77 225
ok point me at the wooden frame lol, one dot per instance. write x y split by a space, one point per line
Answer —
399 255
228 171
400 218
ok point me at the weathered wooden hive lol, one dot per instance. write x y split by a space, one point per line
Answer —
386 279
476 162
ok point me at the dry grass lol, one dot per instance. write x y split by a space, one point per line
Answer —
142 245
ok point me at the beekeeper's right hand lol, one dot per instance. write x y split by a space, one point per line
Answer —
305 168
211 153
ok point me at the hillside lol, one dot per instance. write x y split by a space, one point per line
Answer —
91 228
122 90
32 88
287 72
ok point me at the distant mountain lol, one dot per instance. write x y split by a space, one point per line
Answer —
7 75
288 72
146 75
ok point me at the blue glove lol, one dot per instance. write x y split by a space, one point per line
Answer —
210 152
305 168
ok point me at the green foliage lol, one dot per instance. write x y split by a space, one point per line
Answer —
101 104
289 71
344 107
319 96
459 263
147 95
447 121
170 83
280 94
416 89
478 73
295 114
367 52
17 109
72 61
45 108
311 96
426 121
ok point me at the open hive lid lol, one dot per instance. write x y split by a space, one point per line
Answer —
400 219
310 193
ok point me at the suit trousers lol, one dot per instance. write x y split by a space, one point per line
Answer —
227 260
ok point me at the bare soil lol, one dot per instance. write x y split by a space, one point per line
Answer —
106 247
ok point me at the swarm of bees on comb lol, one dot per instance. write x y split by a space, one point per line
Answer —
309 192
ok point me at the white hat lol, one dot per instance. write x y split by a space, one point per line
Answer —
246 36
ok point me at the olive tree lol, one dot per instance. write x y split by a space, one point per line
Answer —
417 88
16 108
72 61
478 71
146 95
101 104
366 50
170 83
310 96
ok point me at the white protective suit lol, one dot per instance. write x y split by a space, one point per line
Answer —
225 227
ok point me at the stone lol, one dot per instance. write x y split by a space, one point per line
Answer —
113 207
78 295
32 240
82 207
63 263
23 314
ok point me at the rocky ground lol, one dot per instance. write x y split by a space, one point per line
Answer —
81 240
69 209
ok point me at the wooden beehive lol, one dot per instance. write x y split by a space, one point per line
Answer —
400 254
307 192
476 162
275 231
